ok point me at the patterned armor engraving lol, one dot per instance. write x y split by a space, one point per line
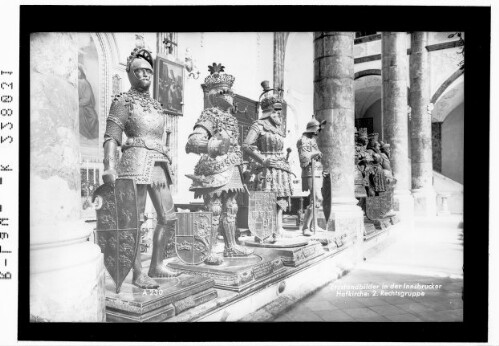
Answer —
143 121
117 231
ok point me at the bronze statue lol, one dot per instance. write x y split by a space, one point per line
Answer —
145 159
375 172
264 143
217 175
363 161
310 162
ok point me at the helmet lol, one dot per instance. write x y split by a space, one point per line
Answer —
139 58
314 126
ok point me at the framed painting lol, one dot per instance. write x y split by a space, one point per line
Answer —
169 85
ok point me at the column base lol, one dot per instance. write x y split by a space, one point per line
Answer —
403 203
347 223
67 278
425 202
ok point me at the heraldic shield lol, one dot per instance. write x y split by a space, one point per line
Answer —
117 231
262 213
192 237
378 206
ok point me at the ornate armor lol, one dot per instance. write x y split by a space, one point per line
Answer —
307 147
267 141
143 121
216 171
145 159
216 175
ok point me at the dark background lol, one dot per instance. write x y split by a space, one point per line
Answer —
474 21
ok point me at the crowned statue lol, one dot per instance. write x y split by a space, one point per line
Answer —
310 162
146 161
264 143
218 174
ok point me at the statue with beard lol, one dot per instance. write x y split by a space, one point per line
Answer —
264 143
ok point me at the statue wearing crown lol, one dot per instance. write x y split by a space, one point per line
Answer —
264 143
146 162
217 176
310 162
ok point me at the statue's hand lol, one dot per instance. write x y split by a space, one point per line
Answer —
268 162
109 176
317 156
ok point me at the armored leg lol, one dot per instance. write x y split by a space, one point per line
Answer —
140 279
165 230
228 219
214 204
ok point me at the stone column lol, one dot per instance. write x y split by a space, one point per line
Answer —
421 148
280 40
334 102
66 270
395 118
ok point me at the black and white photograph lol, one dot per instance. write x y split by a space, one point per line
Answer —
253 175
170 85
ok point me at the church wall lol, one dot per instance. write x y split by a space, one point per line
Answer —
453 144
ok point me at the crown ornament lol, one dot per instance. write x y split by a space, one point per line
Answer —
138 53
217 77
270 101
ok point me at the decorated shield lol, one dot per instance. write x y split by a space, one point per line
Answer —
262 213
326 195
117 231
192 237
377 206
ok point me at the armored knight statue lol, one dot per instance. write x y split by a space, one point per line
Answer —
362 162
217 175
375 172
309 154
264 143
145 159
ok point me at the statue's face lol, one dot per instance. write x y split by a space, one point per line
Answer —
140 74
221 98
144 76
275 116
387 151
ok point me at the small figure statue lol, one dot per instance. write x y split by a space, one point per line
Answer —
385 152
146 159
264 143
310 162
217 176
375 172
363 161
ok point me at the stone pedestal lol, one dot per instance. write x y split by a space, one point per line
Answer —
421 133
174 296
66 273
237 273
395 117
334 102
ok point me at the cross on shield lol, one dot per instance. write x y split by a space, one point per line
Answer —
117 232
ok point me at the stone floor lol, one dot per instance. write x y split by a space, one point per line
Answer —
430 254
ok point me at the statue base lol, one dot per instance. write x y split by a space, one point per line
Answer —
293 251
296 256
369 227
173 296
237 273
